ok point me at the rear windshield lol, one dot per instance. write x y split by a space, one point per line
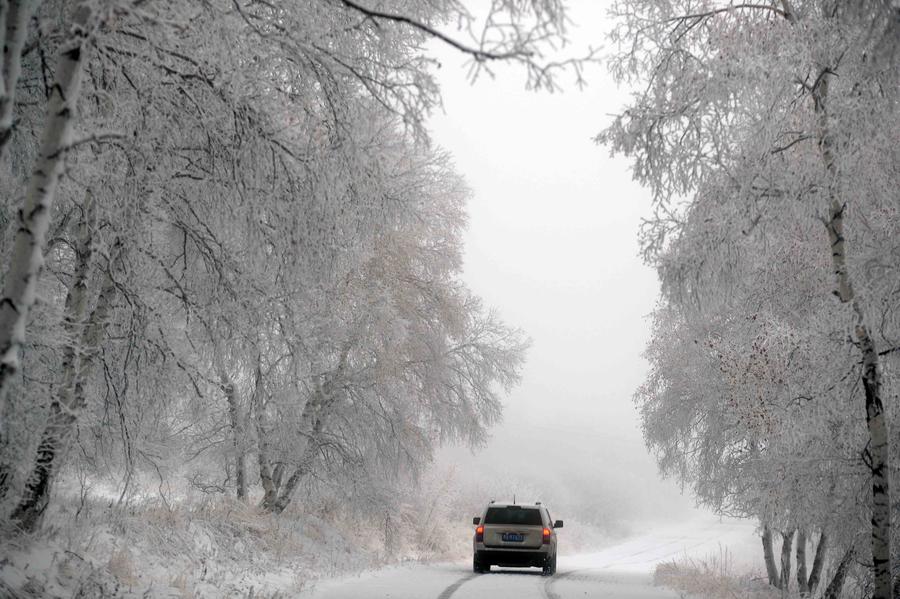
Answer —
513 515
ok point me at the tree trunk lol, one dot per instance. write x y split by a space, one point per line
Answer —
68 404
833 591
879 453
818 562
95 330
63 411
14 18
390 536
802 579
27 258
769 555
270 481
278 474
786 543
76 304
312 421
286 493
237 434
270 488
878 447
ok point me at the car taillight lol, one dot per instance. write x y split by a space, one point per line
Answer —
479 534
546 535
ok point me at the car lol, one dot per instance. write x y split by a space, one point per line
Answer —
515 536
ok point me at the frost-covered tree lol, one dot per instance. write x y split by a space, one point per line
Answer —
415 361
204 221
762 125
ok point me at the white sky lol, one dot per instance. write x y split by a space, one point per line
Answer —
552 244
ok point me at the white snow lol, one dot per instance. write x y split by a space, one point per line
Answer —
697 538
623 570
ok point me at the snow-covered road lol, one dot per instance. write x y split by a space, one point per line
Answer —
621 571
445 581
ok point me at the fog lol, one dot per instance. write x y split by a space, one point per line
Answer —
552 245
249 302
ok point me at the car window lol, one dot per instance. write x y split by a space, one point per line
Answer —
513 515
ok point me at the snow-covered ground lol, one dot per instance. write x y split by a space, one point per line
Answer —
230 550
624 570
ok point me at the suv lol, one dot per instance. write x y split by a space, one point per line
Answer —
515 536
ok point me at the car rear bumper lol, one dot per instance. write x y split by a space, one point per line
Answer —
514 558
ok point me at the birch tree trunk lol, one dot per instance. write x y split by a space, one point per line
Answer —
278 474
769 555
62 411
833 591
286 491
77 302
312 421
269 485
263 450
786 544
70 402
95 329
878 446
818 562
27 258
14 18
802 579
237 433
390 535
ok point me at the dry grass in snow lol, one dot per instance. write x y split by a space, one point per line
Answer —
205 549
712 577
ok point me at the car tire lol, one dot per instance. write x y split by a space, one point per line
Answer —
478 567
549 566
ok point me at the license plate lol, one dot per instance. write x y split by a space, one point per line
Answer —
512 537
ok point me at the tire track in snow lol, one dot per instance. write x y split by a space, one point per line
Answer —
549 593
448 592
548 590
